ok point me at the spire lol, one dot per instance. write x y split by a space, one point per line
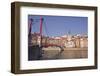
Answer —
69 32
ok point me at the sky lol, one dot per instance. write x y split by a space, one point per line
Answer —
60 25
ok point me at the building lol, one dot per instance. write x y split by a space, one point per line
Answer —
66 41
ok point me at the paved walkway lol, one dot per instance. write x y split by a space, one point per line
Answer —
68 53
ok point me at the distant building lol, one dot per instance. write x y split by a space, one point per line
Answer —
66 41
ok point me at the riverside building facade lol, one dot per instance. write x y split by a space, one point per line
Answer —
66 41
